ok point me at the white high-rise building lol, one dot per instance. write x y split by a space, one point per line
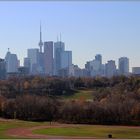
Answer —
33 55
123 66
95 67
110 69
12 64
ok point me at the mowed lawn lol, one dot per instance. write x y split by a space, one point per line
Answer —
8 124
81 94
95 131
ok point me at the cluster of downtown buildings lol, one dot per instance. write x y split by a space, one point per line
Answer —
51 59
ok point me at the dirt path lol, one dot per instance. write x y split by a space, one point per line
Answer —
27 132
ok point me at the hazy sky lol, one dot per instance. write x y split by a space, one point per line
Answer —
88 28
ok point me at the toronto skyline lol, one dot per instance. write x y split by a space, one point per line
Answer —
87 28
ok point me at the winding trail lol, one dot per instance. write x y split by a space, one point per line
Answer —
27 132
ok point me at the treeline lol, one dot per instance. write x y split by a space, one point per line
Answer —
113 109
55 86
115 100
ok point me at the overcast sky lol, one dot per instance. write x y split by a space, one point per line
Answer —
88 28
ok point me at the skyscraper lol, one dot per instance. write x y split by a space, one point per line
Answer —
33 55
48 57
12 64
66 59
27 63
123 66
7 58
94 67
59 47
110 68
2 69
99 58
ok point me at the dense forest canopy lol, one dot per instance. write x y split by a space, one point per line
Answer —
114 101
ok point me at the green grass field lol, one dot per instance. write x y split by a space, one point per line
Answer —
81 94
93 131
5 125
96 131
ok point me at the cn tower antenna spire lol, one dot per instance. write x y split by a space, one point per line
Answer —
60 37
57 38
40 42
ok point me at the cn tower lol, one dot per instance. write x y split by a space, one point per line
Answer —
40 42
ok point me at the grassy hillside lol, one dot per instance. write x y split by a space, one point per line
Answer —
7 124
93 131
81 95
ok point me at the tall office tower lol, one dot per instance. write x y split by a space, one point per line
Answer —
87 65
95 67
2 69
59 47
12 63
99 58
7 58
27 63
33 55
123 66
110 68
40 42
66 59
48 58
